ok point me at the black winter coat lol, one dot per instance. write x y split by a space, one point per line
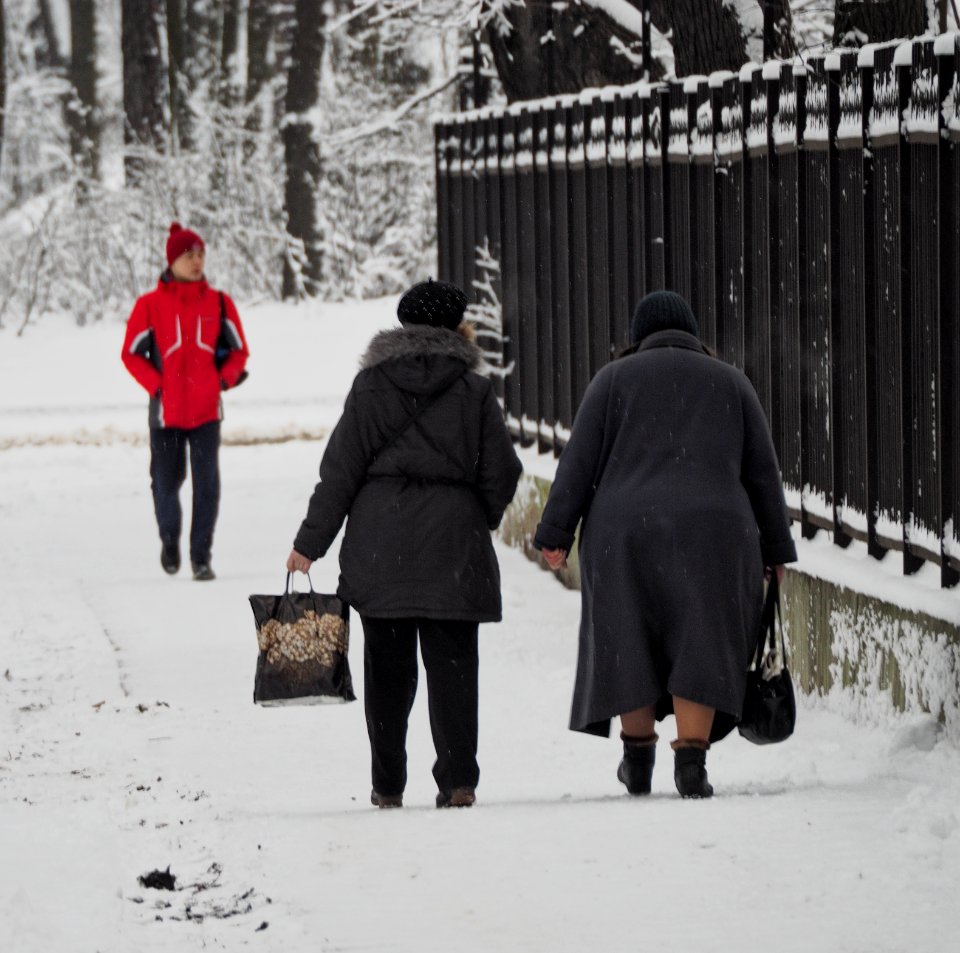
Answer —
672 470
419 513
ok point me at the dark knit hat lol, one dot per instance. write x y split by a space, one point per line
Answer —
437 303
662 311
181 239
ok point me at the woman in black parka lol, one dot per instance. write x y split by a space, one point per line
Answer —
422 468
671 468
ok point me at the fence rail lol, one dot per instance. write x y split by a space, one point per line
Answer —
810 213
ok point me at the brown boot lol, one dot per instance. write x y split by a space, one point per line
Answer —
690 767
386 800
458 797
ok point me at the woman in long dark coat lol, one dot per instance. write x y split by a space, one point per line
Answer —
422 468
671 468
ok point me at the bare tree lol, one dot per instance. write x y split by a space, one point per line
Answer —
81 109
181 126
303 265
229 80
3 72
144 78
544 49
260 31
873 21
43 25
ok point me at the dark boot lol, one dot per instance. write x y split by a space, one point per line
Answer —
170 558
690 768
458 797
386 800
636 768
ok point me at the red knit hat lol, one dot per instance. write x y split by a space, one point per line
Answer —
181 239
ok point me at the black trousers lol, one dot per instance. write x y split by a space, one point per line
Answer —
450 657
168 470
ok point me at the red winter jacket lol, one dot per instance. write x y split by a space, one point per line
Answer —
173 338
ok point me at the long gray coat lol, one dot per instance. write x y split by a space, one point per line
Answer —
671 468
419 511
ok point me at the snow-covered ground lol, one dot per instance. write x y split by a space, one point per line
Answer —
129 740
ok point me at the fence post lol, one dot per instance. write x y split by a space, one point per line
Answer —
653 182
848 403
510 300
468 124
757 329
675 122
949 129
636 201
703 252
598 274
817 500
729 168
526 371
580 257
785 297
443 200
618 222
545 238
560 269
923 525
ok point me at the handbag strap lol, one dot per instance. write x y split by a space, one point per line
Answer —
771 619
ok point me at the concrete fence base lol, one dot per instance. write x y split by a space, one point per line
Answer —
879 654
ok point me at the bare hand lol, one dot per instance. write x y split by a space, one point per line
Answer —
297 562
556 558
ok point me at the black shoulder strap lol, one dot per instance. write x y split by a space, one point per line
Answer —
423 405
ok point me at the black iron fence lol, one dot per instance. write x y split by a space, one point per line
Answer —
810 213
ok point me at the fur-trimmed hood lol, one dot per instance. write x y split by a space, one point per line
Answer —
420 341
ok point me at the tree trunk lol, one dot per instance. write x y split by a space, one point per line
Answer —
874 21
301 150
51 54
550 52
180 124
82 104
706 35
3 75
779 42
260 28
144 79
229 82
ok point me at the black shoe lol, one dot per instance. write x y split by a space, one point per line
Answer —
202 572
636 768
458 797
170 558
690 773
386 800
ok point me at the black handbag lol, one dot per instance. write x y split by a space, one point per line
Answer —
769 705
303 638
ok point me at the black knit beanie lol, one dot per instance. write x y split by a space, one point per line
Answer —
437 303
662 311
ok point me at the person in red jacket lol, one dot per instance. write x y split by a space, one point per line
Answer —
185 346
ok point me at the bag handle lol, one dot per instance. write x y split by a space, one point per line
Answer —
288 590
769 619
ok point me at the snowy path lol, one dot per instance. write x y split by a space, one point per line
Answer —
129 741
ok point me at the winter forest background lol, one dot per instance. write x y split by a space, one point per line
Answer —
296 135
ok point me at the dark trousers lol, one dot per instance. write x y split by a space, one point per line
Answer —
450 657
168 470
